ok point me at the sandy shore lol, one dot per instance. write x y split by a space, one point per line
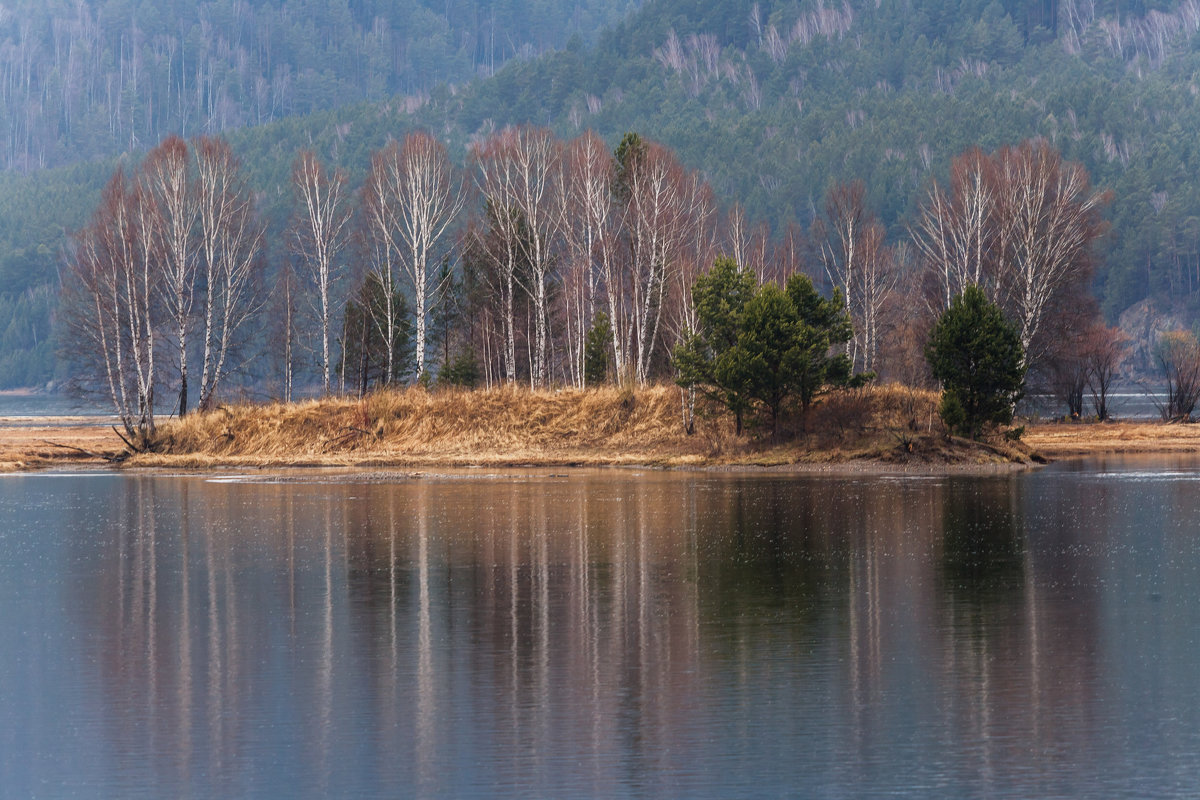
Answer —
41 442
1064 440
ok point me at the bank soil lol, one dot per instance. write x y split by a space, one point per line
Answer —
894 427
1064 440
41 442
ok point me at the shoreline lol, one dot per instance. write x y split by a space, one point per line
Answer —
31 444
881 430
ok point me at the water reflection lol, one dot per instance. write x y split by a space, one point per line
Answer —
608 634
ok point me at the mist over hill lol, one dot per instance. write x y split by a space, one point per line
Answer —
81 79
773 101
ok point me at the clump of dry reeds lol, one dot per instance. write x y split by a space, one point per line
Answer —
885 408
505 424
515 425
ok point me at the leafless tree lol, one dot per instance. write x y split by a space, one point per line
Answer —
956 231
282 327
1069 375
519 176
230 246
166 176
787 254
1049 219
858 261
1021 224
696 253
661 215
319 235
410 199
1105 354
109 297
748 244
877 279
499 238
1179 356
590 230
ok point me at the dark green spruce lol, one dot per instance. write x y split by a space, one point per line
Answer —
976 355
757 348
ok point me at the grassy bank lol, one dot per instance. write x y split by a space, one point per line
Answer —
508 426
1071 439
513 426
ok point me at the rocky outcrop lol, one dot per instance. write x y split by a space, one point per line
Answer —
1144 323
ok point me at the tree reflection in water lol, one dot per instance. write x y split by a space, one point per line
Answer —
599 634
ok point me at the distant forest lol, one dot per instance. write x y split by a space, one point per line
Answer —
85 78
774 102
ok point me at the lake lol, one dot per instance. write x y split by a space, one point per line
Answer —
602 633
49 405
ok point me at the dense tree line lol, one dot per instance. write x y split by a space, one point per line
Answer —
783 100
550 262
778 102
81 79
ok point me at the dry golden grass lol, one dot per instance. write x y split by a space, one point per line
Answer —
504 425
514 426
508 425
1060 440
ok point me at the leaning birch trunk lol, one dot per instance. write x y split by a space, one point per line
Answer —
108 291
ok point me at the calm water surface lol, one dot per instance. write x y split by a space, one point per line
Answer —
45 405
602 634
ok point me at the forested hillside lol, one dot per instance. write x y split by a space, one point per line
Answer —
87 78
773 101
778 101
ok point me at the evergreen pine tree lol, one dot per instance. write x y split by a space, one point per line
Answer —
976 355
596 359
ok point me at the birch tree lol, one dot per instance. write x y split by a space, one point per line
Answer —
1049 219
319 235
660 213
840 236
518 175
698 249
956 232
410 200
876 282
166 176
109 296
589 263
230 244
748 244
536 165
1020 224
499 238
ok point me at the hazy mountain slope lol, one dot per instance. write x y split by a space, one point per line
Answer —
87 78
780 103
776 101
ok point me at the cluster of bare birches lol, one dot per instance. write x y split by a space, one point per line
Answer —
164 277
535 259
1021 223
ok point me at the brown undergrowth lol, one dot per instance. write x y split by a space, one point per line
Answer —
516 426
503 425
